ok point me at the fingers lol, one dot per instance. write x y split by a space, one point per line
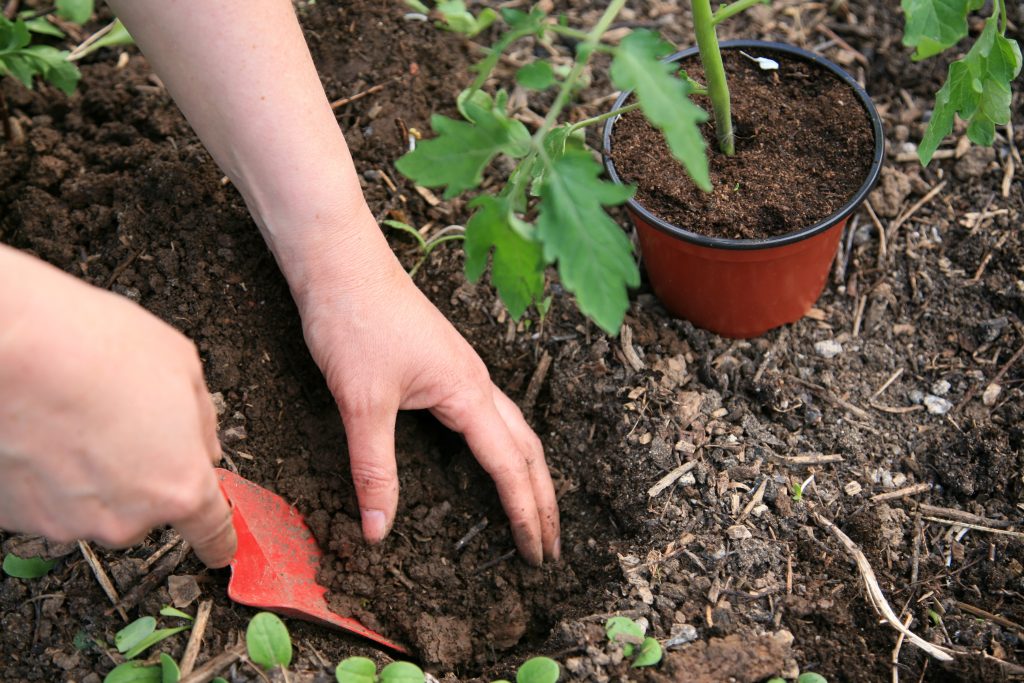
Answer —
540 476
498 453
371 448
208 527
208 424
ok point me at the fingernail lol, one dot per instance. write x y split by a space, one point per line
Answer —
374 525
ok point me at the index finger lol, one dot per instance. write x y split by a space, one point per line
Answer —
208 527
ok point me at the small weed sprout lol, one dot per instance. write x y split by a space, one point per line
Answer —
644 651
448 234
537 670
363 670
807 677
268 642
26 567
800 489
136 638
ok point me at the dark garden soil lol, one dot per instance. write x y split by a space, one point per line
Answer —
804 147
901 393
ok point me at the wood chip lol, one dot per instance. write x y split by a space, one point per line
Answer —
899 493
101 577
976 527
671 478
809 459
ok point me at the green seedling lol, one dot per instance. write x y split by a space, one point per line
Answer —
808 677
449 234
644 651
537 670
136 638
142 634
363 670
453 16
27 567
113 34
25 61
268 642
800 489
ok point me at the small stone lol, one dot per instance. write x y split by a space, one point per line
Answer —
682 634
991 394
899 479
687 479
937 405
828 348
738 532
759 510
853 488
887 479
940 388
916 396
236 433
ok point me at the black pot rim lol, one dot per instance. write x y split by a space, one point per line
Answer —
780 240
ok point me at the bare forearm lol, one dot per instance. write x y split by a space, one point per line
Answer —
241 72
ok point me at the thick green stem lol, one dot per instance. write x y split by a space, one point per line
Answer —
732 9
714 73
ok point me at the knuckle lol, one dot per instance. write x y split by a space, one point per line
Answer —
373 478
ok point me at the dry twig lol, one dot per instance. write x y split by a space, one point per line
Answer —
536 382
195 638
976 527
101 576
960 515
899 493
208 671
875 594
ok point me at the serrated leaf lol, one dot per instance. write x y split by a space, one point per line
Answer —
538 670
169 671
457 157
26 567
934 25
977 88
134 672
663 99
132 634
648 654
536 75
595 258
267 641
402 672
356 670
77 11
152 639
531 22
14 35
517 269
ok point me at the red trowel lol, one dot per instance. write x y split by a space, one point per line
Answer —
278 559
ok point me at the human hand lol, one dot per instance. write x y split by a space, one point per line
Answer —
106 426
383 347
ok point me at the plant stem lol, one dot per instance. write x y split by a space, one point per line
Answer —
714 73
602 117
732 9
1002 16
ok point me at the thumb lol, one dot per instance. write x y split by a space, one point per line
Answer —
371 450
208 528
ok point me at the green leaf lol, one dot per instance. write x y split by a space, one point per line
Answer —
115 37
595 258
457 157
458 19
134 672
267 641
625 631
356 670
169 611
417 6
43 27
26 567
133 634
13 35
402 672
218 679
536 75
663 99
538 670
518 263
811 677
934 25
152 639
77 11
169 671
52 64
649 653
977 88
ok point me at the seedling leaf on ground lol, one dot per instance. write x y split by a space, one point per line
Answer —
24 61
978 89
169 611
538 670
356 670
169 671
517 264
402 672
594 255
537 75
268 642
77 11
152 639
134 672
934 25
625 631
133 634
26 567
811 677
664 99
649 653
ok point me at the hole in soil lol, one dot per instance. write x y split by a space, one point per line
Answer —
469 610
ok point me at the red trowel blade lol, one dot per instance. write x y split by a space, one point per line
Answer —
278 559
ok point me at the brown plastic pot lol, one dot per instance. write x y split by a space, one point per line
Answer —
743 288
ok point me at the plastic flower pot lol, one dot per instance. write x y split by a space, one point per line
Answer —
738 287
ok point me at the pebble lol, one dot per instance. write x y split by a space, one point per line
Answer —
937 405
991 394
916 396
738 532
681 635
852 488
218 402
687 479
940 388
828 348
899 479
